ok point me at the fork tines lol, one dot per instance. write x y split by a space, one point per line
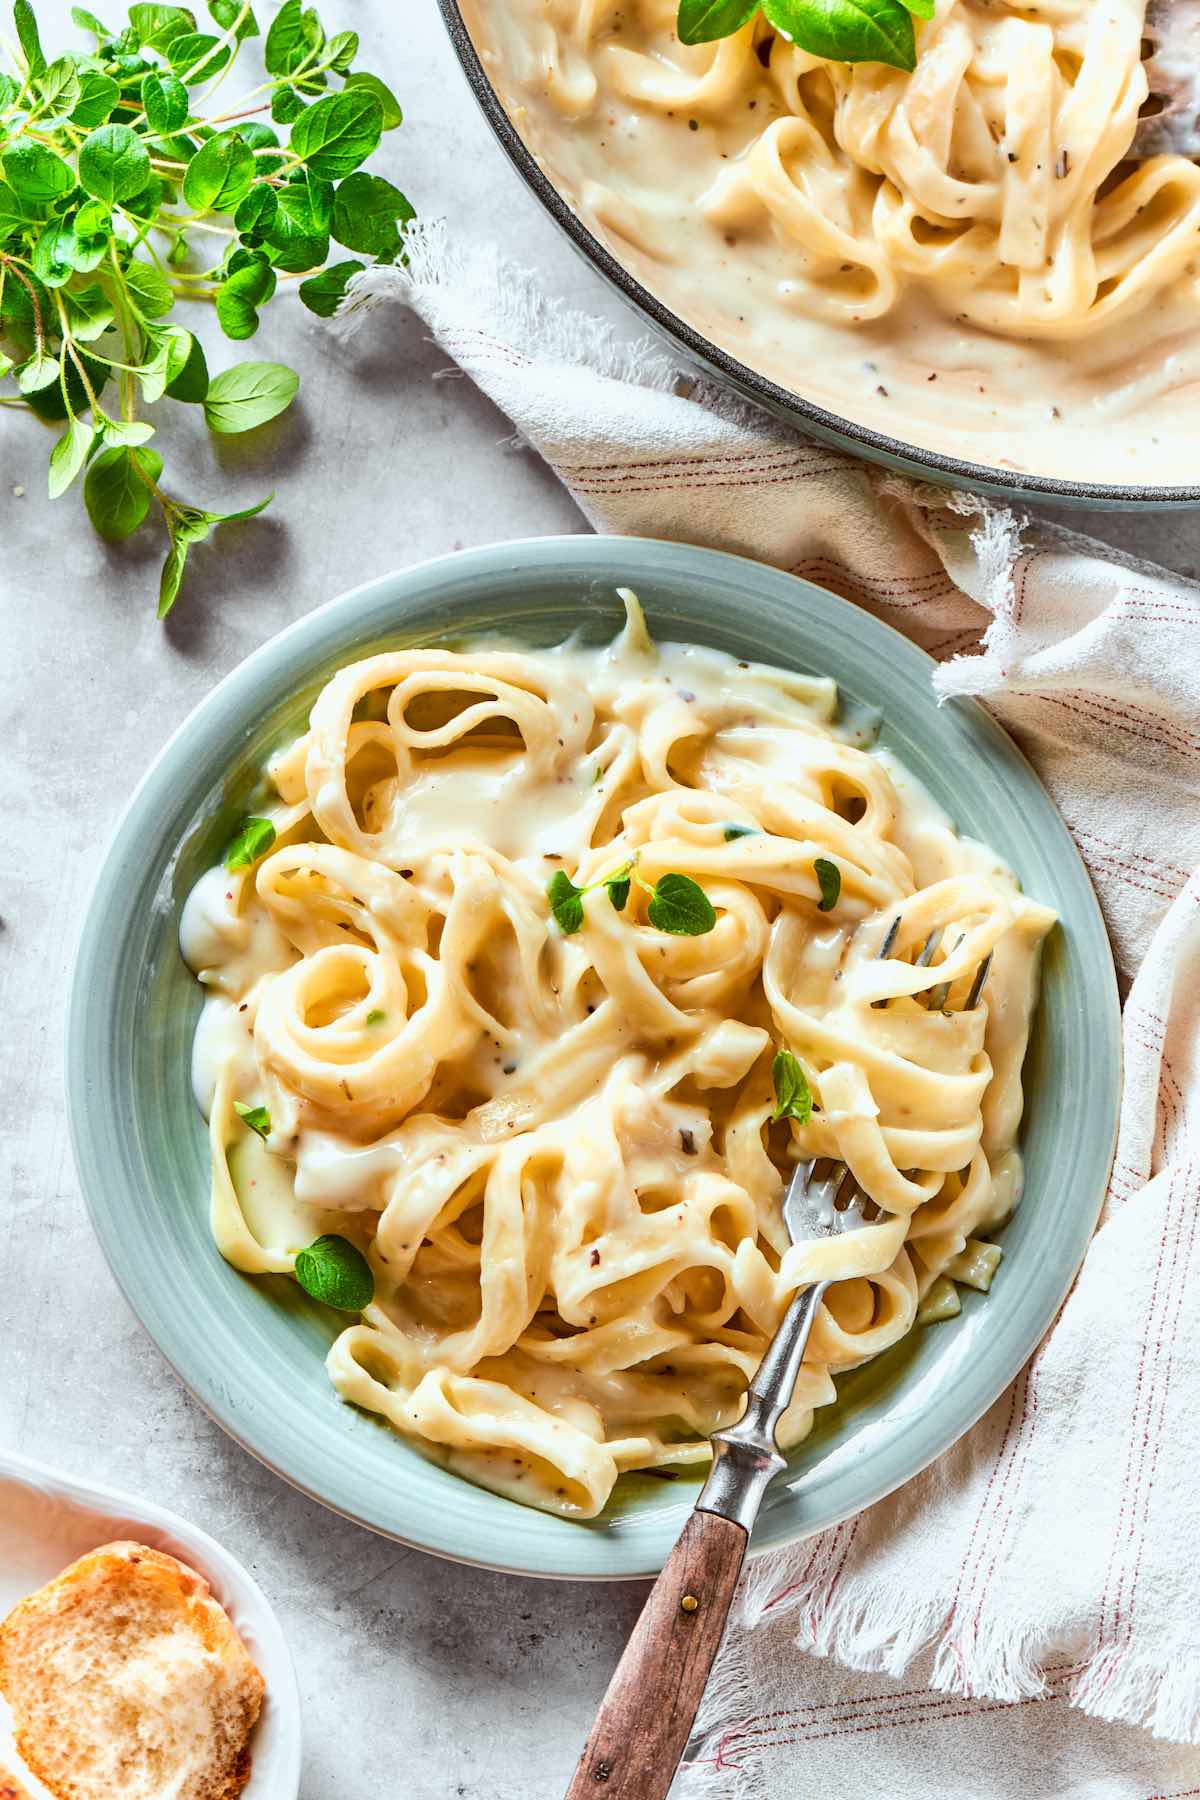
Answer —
937 995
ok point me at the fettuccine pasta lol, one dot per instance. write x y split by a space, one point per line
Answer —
857 232
553 1132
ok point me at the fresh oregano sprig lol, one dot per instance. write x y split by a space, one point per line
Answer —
677 904
127 186
848 31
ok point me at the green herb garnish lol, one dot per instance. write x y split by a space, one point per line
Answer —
375 1016
677 903
256 1117
252 839
335 1272
618 886
731 832
829 877
127 185
848 31
566 902
681 906
793 1096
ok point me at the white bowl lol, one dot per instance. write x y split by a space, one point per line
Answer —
48 1519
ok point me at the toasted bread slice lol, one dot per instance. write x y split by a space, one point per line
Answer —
126 1677
10 1787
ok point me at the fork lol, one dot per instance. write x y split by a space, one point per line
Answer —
1172 32
646 1717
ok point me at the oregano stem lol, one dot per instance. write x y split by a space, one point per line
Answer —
62 360
227 40
120 300
10 262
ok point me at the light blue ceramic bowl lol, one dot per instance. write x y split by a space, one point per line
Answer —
251 1350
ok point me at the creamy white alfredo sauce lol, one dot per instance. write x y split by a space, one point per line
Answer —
554 1138
958 258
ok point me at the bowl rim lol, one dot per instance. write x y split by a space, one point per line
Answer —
877 446
587 553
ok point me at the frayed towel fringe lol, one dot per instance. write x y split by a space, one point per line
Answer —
1159 1691
454 286
888 1635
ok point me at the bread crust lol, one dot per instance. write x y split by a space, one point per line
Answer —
91 1593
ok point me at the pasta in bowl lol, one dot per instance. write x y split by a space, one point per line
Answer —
252 1347
526 993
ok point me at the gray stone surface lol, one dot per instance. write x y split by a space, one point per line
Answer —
420 1680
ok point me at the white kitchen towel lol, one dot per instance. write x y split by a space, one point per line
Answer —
1049 1560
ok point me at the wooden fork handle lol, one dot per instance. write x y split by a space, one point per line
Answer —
646 1717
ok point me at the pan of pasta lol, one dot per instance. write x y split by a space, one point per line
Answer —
916 229
469 974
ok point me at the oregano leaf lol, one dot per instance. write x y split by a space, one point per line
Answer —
41 371
35 172
829 878
252 839
680 906
369 214
89 312
165 100
194 56
149 289
87 21
55 92
566 902
256 211
256 1117
324 293
703 21
618 887
226 12
220 174
849 31
287 44
388 103
191 383
338 132
248 395
68 456
115 493
27 34
55 253
287 105
793 1096
114 164
98 95
158 26
335 1272
240 296
126 431
169 583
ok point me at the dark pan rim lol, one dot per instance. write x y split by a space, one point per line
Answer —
776 399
